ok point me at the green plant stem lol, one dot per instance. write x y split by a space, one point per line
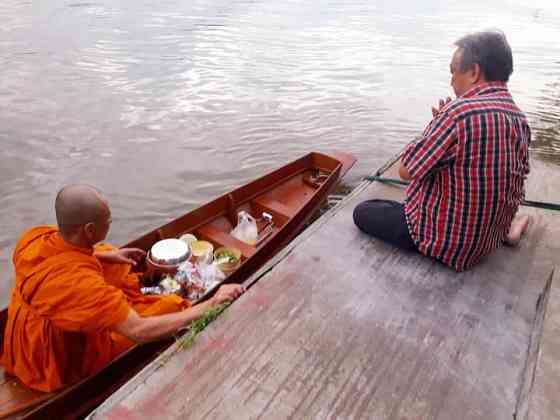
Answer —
199 325
195 328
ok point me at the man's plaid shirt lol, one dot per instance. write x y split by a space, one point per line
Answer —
468 173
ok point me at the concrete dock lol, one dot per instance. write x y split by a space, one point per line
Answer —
344 326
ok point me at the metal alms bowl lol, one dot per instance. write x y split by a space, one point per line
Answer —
169 252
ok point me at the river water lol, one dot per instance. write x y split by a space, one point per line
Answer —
167 104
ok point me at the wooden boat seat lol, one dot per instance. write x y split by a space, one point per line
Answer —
15 397
279 211
210 233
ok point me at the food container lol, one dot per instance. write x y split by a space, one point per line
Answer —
201 251
188 238
165 256
228 259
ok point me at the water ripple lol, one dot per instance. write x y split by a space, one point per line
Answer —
165 105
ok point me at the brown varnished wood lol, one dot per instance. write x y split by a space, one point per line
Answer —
279 211
281 193
14 397
346 159
231 210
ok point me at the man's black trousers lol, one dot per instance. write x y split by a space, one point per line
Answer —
385 220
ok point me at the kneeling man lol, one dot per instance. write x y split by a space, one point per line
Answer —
467 171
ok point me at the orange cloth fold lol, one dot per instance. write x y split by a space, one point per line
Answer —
63 309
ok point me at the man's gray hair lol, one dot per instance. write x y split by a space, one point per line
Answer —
490 50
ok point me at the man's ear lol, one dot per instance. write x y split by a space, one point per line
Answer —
476 74
89 230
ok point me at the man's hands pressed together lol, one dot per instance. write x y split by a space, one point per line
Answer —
442 103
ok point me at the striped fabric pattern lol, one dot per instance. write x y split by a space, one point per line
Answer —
468 171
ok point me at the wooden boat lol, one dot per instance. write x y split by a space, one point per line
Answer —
291 194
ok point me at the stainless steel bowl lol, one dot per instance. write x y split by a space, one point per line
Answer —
169 252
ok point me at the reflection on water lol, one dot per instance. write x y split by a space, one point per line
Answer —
167 104
546 130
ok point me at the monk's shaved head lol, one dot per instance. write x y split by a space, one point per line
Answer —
79 204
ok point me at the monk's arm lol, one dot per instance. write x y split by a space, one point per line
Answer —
141 330
120 256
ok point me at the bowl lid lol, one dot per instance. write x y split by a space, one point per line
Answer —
169 251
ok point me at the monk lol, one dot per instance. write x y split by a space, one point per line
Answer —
76 306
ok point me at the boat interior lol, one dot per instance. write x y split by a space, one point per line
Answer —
281 195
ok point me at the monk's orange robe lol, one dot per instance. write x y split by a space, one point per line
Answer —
62 311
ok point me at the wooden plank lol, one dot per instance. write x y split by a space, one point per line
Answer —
278 210
349 327
15 397
543 401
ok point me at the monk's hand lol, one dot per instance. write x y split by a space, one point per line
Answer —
227 293
122 256
131 255
442 103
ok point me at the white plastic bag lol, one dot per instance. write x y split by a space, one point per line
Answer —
210 275
246 229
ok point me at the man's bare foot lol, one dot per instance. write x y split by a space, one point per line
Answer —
517 229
